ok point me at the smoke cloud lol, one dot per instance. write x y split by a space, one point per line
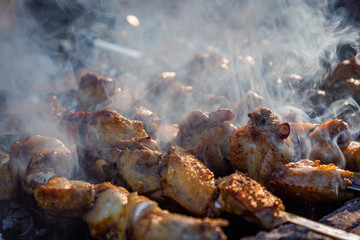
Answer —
263 46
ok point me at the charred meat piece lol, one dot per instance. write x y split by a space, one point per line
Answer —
8 180
36 159
310 181
94 92
137 170
262 145
62 197
188 182
242 195
206 135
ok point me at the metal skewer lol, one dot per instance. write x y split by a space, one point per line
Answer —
354 187
321 228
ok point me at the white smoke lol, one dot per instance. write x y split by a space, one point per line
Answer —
263 41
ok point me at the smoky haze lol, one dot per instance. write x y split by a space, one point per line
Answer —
263 46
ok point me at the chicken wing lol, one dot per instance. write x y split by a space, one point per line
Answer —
206 135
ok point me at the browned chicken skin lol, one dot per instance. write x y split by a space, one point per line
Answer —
62 197
206 135
102 129
242 195
312 182
98 132
305 180
103 218
188 182
136 169
261 146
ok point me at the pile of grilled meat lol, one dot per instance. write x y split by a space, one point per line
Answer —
116 170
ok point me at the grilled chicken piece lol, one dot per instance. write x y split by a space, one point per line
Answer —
62 197
255 149
137 169
147 221
323 142
310 181
36 159
188 182
120 215
206 135
352 156
8 180
97 132
103 218
327 140
94 92
102 129
262 145
242 195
